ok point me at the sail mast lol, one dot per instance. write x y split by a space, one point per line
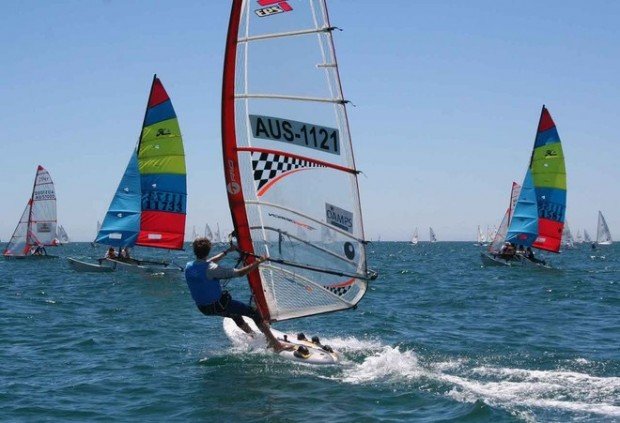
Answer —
231 160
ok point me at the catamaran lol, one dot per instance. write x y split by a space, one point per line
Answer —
603 235
431 235
415 238
148 208
289 167
37 226
538 217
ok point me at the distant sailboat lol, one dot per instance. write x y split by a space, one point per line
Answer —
37 226
603 235
194 233
415 237
480 237
567 237
579 237
500 234
63 238
208 233
586 237
431 234
149 206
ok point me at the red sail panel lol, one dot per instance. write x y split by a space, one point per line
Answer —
151 234
231 160
549 235
158 93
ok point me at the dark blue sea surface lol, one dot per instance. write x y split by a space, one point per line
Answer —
437 338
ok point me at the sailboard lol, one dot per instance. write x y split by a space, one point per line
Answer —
603 235
37 225
149 206
288 161
539 214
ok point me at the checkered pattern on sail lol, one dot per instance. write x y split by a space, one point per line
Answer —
267 166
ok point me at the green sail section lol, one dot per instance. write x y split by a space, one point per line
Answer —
548 169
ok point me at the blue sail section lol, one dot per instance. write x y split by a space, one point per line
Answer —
523 229
122 221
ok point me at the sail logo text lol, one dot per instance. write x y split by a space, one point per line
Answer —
233 186
339 218
272 7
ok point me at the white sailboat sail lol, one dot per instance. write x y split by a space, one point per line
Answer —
579 237
288 158
500 234
431 235
586 237
62 235
37 225
209 233
480 238
567 237
194 233
603 235
415 238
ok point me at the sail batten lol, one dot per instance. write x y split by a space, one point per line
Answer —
281 136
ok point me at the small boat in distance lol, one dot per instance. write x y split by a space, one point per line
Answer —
567 238
431 235
603 235
415 237
37 226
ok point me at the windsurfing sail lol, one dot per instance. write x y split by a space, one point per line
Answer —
539 215
415 238
586 236
431 235
37 225
149 205
288 160
500 235
603 235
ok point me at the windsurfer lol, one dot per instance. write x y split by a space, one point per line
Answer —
203 277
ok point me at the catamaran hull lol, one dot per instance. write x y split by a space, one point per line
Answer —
604 243
148 268
489 259
82 266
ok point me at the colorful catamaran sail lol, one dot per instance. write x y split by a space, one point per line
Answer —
149 206
288 160
539 215
37 225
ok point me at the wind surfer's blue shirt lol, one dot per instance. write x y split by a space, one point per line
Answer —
203 281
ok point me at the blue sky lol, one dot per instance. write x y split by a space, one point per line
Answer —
447 97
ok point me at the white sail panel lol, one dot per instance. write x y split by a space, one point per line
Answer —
603 235
19 244
43 214
297 175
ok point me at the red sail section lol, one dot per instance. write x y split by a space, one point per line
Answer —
550 235
231 162
151 234
158 93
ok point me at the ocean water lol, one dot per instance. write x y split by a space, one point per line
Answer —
437 338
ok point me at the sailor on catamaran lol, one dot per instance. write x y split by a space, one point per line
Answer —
203 277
